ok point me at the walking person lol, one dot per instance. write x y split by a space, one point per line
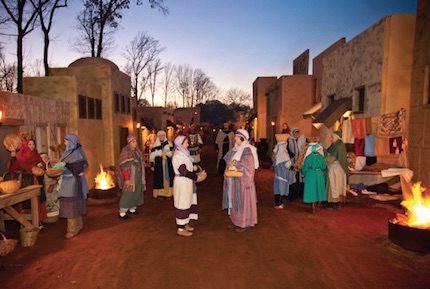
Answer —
73 185
184 188
161 165
240 198
313 169
131 178
282 165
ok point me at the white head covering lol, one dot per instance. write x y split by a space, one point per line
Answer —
314 147
178 143
157 143
280 153
238 149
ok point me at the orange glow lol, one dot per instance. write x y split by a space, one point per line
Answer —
138 125
104 180
1 115
417 207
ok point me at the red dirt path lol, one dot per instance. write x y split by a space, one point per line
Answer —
346 248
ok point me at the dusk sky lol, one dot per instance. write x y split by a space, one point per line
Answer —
232 41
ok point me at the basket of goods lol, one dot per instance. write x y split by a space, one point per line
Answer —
28 236
6 245
233 172
54 172
10 187
202 175
12 142
282 137
37 171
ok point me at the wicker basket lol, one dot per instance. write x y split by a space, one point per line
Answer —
234 173
37 171
29 236
202 176
54 172
12 142
10 187
282 137
7 245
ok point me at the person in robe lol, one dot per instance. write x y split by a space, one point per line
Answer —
336 182
184 188
282 165
131 178
161 164
285 128
314 168
195 144
73 186
294 176
338 150
152 137
21 163
223 143
240 198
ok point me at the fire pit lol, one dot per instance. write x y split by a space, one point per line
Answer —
105 190
412 229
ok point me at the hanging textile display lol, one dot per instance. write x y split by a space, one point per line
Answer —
392 124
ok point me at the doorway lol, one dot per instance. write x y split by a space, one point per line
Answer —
123 134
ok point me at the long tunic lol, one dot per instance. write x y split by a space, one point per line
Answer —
336 182
281 184
224 142
338 150
294 151
161 160
240 197
313 170
73 186
184 189
132 170
196 143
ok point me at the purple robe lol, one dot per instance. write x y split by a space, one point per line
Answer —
240 197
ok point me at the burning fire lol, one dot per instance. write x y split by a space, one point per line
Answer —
417 206
104 180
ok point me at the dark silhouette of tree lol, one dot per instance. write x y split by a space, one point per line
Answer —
236 95
46 11
154 70
166 85
142 51
100 19
215 112
23 15
7 74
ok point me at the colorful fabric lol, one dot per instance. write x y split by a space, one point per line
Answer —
359 128
359 146
392 124
338 150
369 146
26 157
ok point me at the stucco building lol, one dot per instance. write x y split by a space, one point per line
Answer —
260 87
370 74
101 109
419 120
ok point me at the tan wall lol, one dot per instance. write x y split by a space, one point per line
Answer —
419 120
317 68
260 87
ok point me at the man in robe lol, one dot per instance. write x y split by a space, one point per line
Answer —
223 143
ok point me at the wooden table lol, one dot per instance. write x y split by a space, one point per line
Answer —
28 193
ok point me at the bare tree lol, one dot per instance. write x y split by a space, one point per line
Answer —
23 15
45 11
7 74
34 68
184 83
140 53
100 19
168 70
237 96
154 70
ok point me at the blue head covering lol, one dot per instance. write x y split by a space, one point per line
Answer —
72 146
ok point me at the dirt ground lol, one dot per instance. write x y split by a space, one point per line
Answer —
346 248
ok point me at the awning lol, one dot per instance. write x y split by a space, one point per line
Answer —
334 111
312 112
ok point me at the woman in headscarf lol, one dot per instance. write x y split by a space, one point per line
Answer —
22 162
338 150
161 163
184 188
240 197
73 186
313 169
131 178
282 164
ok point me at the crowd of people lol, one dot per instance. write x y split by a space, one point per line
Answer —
300 166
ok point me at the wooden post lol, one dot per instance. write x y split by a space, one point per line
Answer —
35 211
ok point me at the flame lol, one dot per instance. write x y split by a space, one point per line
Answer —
417 207
104 180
